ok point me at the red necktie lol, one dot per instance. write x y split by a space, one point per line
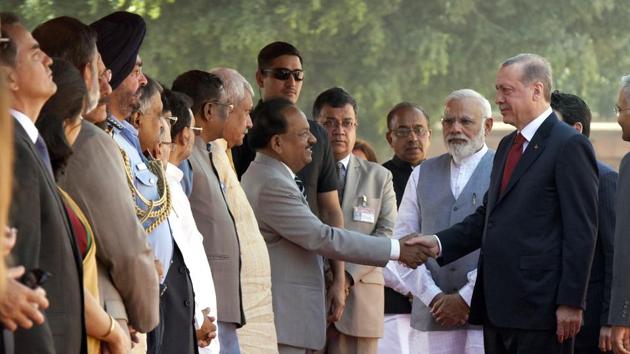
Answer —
513 156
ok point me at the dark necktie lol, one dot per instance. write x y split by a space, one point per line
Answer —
42 151
512 160
341 175
300 185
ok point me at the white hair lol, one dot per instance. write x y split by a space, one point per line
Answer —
234 84
486 109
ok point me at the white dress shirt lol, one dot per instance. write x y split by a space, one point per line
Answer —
419 282
190 242
26 123
531 128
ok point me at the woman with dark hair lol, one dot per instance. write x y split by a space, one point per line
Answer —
59 124
363 150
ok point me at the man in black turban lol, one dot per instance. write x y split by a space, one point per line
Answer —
120 36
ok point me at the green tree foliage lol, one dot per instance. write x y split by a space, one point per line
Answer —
383 52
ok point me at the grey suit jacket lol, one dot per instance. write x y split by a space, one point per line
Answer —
371 185
620 290
214 221
95 178
296 240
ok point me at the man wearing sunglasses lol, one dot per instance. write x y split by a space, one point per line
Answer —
280 75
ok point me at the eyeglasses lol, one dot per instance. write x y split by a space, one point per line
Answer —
618 109
406 132
465 122
167 143
173 120
197 129
334 124
284 74
229 106
105 75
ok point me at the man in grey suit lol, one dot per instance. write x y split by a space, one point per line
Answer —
95 177
620 291
296 238
368 203
210 209
441 192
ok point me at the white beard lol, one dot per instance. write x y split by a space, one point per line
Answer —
471 146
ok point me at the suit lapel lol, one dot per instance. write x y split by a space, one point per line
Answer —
534 148
352 180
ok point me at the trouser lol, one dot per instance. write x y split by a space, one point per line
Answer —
397 334
228 339
500 340
288 349
587 341
341 343
176 331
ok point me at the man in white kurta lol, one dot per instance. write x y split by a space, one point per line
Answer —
441 192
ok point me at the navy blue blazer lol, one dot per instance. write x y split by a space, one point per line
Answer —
537 238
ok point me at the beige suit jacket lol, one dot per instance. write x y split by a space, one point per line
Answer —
370 185
216 224
95 178
297 240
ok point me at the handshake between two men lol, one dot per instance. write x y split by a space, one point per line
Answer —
416 249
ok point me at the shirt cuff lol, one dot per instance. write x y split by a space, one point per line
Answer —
429 294
394 252
199 318
466 293
439 245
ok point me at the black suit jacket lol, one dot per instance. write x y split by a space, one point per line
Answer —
598 295
45 241
537 238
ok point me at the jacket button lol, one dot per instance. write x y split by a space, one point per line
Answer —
490 224
455 208
187 303
453 269
182 269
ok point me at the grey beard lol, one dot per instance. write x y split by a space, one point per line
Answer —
462 151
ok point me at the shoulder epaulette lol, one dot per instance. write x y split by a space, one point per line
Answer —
113 123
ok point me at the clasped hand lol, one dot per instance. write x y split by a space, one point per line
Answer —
449 310
416 249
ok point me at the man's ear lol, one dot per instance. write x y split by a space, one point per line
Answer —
276 144
135 119
259 78
182 138
388 136
87 75
488 125
11 78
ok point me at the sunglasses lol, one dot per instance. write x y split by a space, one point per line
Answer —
284 74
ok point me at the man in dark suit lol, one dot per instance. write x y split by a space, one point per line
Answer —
45 239
409 135
595 334
537 226
620 290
